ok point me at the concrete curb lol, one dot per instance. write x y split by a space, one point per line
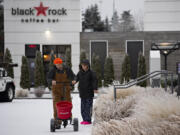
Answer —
30 98
19 98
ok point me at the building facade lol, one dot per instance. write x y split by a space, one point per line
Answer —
162 15
50 26
53 27
117 44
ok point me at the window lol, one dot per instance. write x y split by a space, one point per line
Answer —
30 50
133 48
99 48
1 73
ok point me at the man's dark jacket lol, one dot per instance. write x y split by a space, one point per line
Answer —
87 82
52 74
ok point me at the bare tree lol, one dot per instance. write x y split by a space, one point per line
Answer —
139 22
125 23
115 22
106 25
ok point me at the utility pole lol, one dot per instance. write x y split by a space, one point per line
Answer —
113 6
112 28
100 6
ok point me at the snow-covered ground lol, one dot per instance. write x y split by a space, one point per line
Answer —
32 117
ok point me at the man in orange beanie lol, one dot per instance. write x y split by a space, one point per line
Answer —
60 77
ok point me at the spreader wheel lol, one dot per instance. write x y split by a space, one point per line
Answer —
75 124
52 125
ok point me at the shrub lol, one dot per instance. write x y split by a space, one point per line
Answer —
68 58
141 69
51 64
141 111
96 67
24 79
8 59
39 70
108 71
126 69
39 91
22 93
175 82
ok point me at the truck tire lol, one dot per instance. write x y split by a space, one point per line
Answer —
9 94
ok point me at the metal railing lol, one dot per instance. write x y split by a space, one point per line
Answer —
144 78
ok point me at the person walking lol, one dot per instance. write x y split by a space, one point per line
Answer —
60 77
87 87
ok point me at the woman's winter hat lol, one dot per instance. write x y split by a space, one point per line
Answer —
86 62
58 61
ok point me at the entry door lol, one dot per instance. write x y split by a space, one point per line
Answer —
133 50
30 52
99 48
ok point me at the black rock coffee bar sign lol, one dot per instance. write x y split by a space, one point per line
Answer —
39 14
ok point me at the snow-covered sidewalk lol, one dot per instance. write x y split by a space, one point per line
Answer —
32 117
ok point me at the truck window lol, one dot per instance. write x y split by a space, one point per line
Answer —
1 73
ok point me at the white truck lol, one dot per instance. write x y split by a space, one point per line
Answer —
7 86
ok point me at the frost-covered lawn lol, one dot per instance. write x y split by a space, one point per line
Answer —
32 117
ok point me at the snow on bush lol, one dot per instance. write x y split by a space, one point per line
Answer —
137 112
39 92
22 93
105 108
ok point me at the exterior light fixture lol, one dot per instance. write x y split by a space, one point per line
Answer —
46 57
165 46
165 49
165 52
48 34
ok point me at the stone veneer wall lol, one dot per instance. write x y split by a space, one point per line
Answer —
117 43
